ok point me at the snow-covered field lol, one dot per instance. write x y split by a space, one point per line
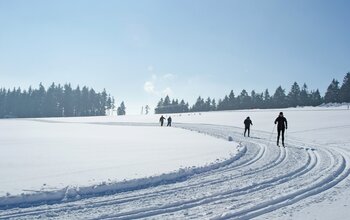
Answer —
41 156
129 167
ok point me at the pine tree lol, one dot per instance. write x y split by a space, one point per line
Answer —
166 101
50 102
93 103
40 96
294 95
316 98
244 100
59 93
199 105
158 109
68 101
257 100
345 89
183 106
305 96
231 101
279 99
77 104
207 104
121 109
103 102
332 93
213 105
267 99
224 104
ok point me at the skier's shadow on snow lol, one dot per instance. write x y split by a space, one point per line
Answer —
305 148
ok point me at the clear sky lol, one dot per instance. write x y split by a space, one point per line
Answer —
141 50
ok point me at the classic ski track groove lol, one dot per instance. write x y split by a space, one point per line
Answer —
298 173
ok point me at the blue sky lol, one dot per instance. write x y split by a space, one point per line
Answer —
141 50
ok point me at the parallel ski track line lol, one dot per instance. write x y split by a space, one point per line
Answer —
323 184
203 183
228 130
210 199
321 169
256 157
310 164
134 216
293 177
315 186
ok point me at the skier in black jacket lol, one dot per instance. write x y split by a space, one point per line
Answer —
169 122
281 122
247 122
161 120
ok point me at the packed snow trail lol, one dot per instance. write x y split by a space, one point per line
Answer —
263 179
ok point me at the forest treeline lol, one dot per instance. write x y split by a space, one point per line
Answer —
55 101
297 96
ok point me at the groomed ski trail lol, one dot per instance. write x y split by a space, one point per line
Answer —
263 179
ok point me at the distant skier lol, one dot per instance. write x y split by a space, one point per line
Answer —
247 122
161 120
169 122
281 122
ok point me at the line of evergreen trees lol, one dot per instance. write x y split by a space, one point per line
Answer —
56 101
174 106
296 97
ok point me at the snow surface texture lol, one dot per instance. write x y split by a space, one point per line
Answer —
52 161
264 181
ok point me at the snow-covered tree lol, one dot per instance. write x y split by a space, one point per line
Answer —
121 109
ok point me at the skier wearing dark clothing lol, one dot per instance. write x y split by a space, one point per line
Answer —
247 122
281 122
169 122
161 120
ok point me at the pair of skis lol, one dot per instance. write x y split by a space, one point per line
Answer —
278 145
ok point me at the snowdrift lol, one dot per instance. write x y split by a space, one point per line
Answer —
70 193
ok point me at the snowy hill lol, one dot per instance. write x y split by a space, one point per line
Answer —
129 167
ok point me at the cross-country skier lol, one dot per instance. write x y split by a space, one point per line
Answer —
247 122
169 121
161 120
281 122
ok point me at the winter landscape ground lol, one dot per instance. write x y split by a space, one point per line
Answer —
128 167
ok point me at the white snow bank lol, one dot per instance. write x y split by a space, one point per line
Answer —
43 161
336 105
75 192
